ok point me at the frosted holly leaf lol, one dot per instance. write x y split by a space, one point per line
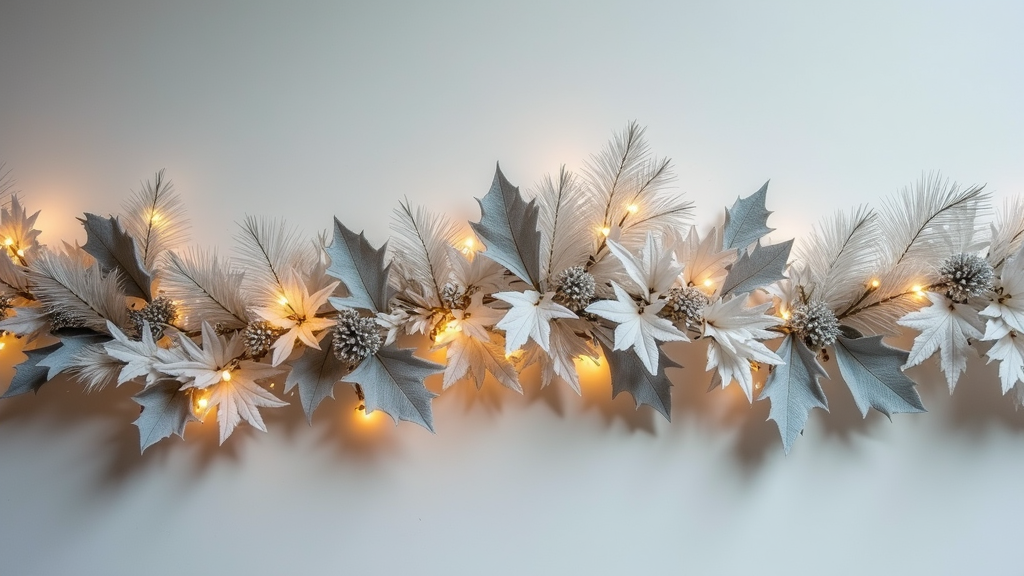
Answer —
114 249
746 221
392 381
29 376
508 228
529 318
872 372
315 373
628 374
735 331
360 268
760 267
73 342
639 327
794 390
946 327
166 409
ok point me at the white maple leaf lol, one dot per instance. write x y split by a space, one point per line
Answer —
529 318
140 358
1009 351
238 399
467 355
654 271
944 326
566 346
475 320
639 327
296 313
735 332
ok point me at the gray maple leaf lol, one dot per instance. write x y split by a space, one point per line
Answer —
794 390
757 268
508 228
72 341
629 374
360 268
315 373
392 381
871 370
114 249
746 221
29 376
166 409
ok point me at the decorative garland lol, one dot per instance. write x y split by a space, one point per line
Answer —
604 264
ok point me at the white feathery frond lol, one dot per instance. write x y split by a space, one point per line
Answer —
661 212
204 288
918 229
82 294
6 182
94 367
422 240
568 214
840 257
1007 231
154 217
268 252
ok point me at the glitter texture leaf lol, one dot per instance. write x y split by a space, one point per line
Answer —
508 228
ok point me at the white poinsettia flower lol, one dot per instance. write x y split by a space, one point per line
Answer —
296 313
1005 323
216 368
393 322
639 327
140 358
735 332
219 359
654 270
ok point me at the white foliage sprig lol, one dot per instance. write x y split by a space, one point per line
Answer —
421 246
840 257
268 251
919 228
155 217
82 294
1007 232
566 222
205 288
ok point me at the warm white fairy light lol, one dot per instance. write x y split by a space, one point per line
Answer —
875 283
283 301
605 231
20 252
226 375
632 208
8 241
708 283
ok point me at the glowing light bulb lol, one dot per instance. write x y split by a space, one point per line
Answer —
154 218
2 344
605 231
202 403
875 283
633 208
282 301
469 243
225 375
785 314
918 290
21 252
708 283
8 241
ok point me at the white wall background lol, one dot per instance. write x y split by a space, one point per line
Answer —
340 108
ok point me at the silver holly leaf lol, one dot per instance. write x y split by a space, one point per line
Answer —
360 268
166 409
757 268
114 249
29 376
746 221
508 228
315 373
392 381
794 390
73 341
871 370
629 374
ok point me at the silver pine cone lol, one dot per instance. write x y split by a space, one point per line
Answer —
159 313
965 276
60 319
453 297
258 337
575 287
685 305
356 337
815 323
